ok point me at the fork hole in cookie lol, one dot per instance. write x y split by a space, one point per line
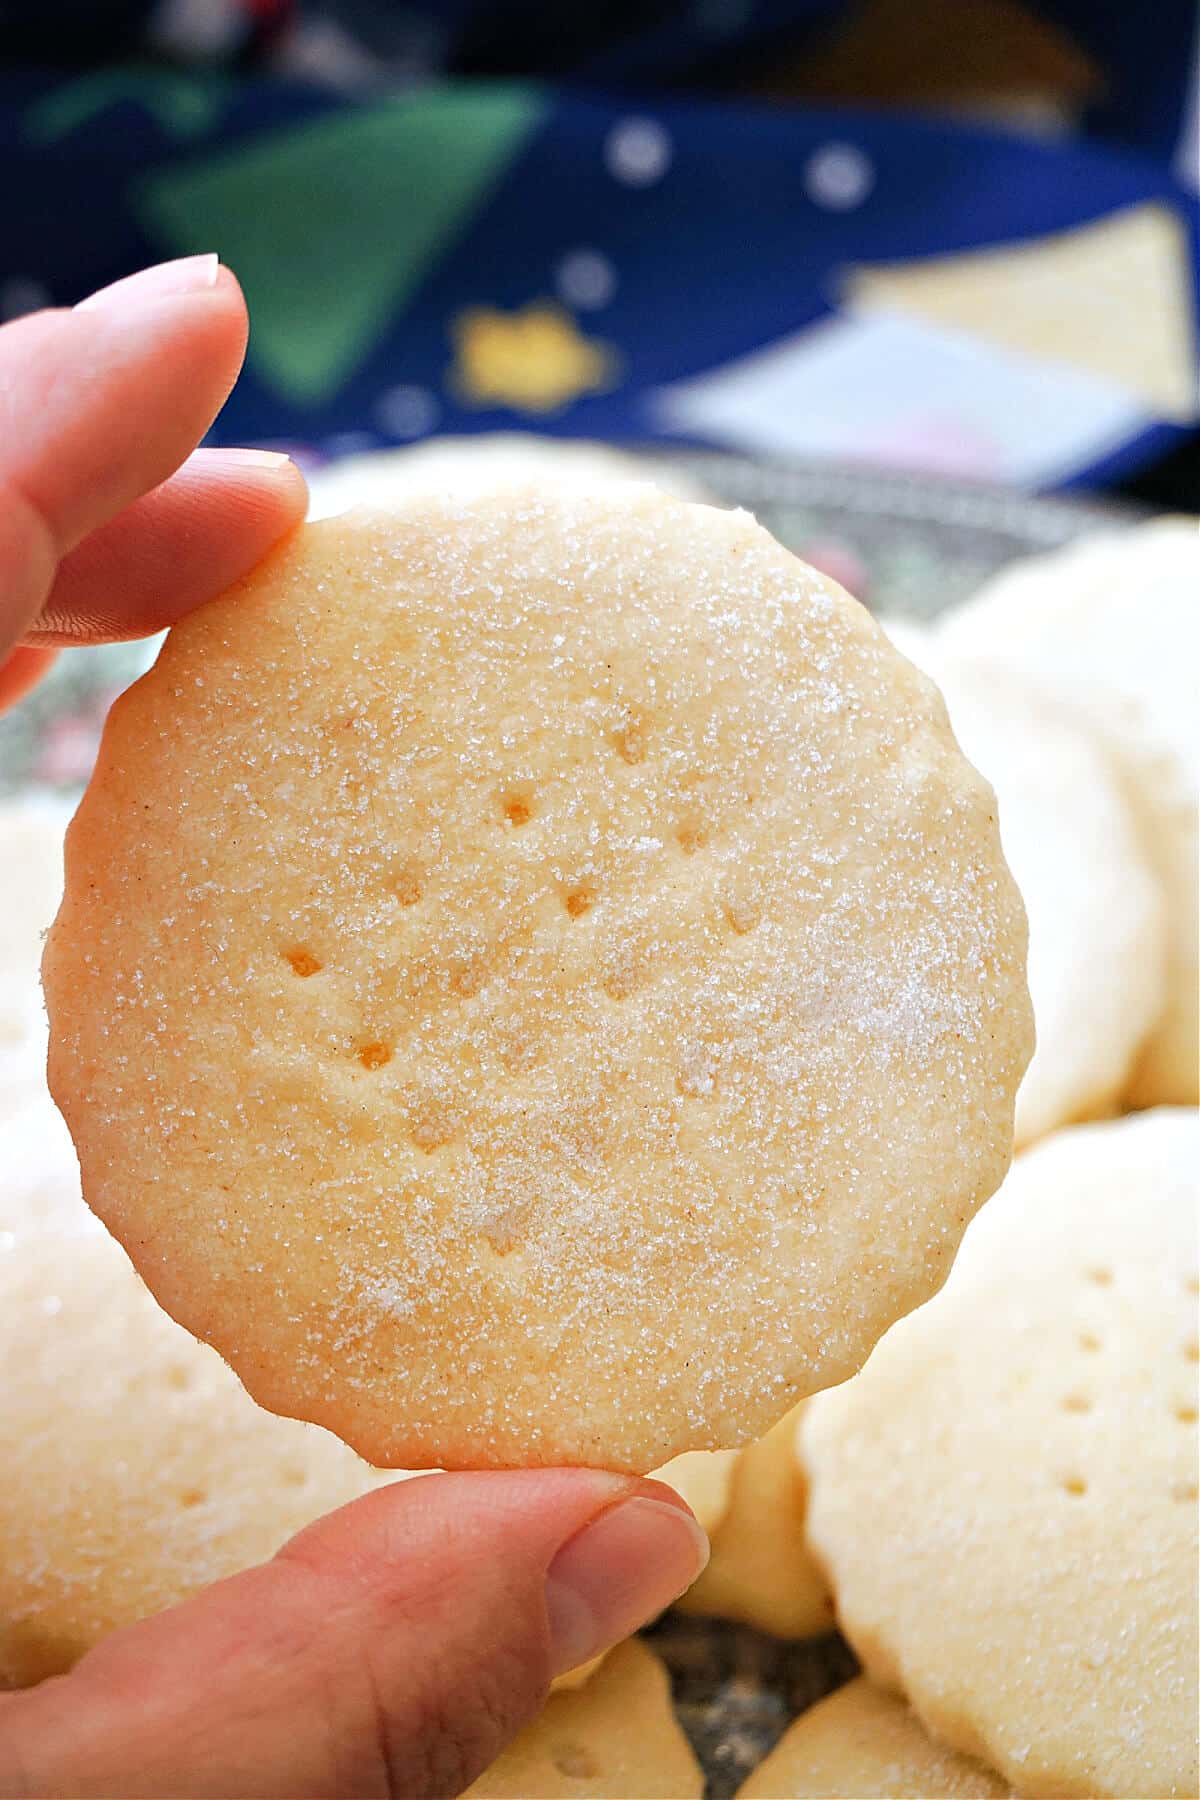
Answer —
691 835
1074 1485
1099 1277
192 1497
374 1055
1191 1351
573 1762
407 885
292 1475
1186 1491
1076 1403
517 805
178 1378
302 962
1186 1415
741 916
1089 1341
579 899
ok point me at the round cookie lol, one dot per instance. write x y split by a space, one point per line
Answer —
760 1570
136 1467
483 463
537 981
860 1743
1005 1498
615 1739
1097 925
1112 624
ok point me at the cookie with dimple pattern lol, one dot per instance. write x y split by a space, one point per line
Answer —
1005 1498
614 1739
861 1742
136 1467
537 981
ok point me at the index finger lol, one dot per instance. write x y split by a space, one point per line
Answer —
100 404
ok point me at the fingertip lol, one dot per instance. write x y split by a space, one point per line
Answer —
180 545
22 670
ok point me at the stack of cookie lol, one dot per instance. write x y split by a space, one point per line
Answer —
599 910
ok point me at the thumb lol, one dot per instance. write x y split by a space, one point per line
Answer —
390 1649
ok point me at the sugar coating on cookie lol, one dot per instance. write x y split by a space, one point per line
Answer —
137 1468
1028 1440
1112 623
537 981
615 1739
862 1742
761 1571
1097 918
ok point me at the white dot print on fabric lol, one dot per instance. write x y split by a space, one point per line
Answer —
638 151
585 279
407 411
839 177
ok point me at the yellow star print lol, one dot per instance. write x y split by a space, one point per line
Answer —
534 360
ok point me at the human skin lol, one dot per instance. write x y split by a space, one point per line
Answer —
395 1646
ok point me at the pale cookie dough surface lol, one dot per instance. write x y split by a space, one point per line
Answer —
1097 918
760 1571
136 1468
470 466
1005 1498
615 1739
864 1744
537 981
1112 622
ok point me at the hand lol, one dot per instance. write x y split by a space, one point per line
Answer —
103 534
390 1649
394 1647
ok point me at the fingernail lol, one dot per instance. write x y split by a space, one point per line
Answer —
245 459
186 275
619 1571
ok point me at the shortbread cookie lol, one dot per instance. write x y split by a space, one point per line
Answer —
1112 623
482 463
1097 920
537 981
862 1742
615 1739
760 1570
1005 1498
136 1467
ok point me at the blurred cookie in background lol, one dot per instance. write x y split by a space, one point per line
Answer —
1110 624
1097 914
760 1571
468 466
